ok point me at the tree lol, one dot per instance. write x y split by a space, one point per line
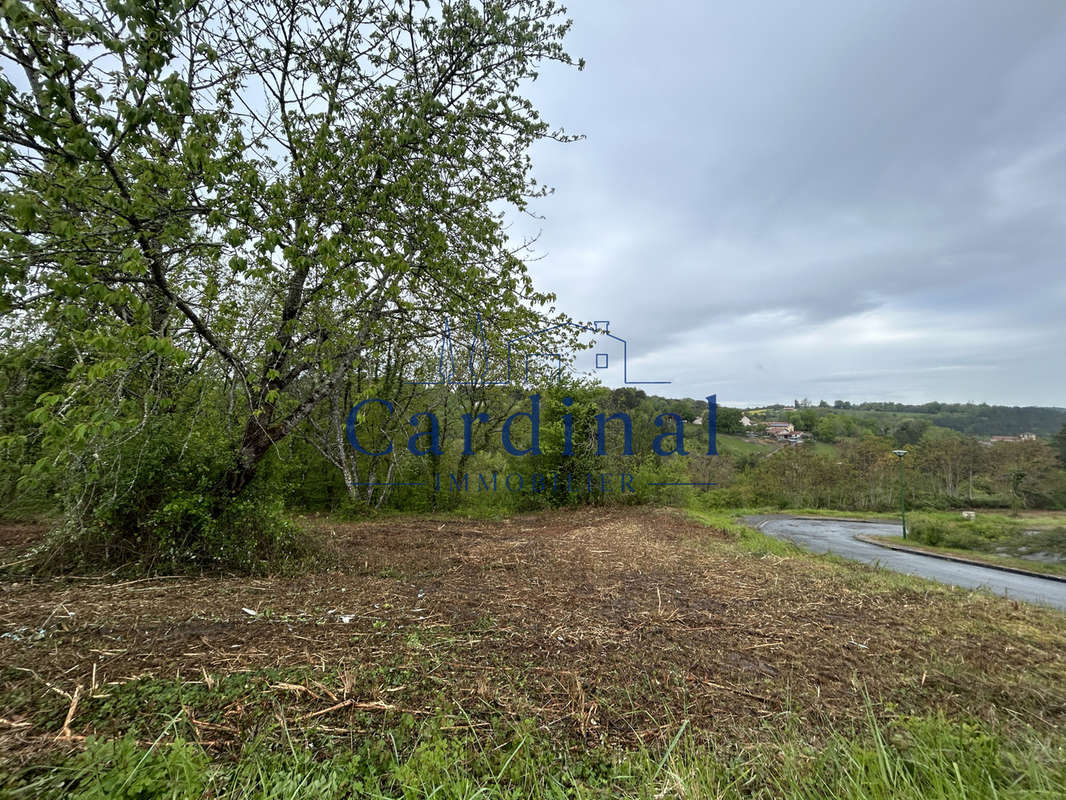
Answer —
1058 441
258 192
797 477
872 471
910 431
1026 472
805 419
627 398
728 420
949 461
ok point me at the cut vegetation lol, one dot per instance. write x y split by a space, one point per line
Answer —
611 652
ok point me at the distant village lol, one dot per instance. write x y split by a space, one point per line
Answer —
1022 437
786 433
781 431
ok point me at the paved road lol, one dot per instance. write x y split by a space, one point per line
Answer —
837 536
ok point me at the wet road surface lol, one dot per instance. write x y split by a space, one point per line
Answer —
838 536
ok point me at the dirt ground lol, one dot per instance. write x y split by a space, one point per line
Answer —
607 626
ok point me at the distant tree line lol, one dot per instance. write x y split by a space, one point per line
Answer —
978 419
861 474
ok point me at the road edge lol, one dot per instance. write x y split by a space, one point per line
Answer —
946 557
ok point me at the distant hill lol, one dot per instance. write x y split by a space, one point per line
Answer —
976 419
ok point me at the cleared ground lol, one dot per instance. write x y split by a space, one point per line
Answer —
596 626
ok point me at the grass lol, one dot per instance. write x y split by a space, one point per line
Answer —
745 537
836 512
994 538
1051 537
755 542
585 654
1035 520
1028 565
825 449
905 758
735 445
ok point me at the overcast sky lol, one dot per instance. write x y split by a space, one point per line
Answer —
840 200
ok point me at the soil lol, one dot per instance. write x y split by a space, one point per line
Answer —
605 626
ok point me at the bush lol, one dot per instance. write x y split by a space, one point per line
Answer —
978 534
716 497
154 498
651 482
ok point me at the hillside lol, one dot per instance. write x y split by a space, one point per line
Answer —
975 419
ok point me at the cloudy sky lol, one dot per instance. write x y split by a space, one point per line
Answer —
841 200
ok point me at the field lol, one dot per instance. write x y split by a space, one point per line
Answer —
622 647
735 445
739 446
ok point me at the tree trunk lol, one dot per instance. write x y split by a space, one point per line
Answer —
254 446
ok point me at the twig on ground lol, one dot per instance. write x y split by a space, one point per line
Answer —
65 733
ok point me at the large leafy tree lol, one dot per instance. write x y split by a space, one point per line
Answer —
1026 472
256 194
1058 441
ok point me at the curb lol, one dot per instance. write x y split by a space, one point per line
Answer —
783 515
960 560
843 519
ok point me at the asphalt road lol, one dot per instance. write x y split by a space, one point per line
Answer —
838 536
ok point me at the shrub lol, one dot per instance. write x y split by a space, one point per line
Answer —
153 497
978 534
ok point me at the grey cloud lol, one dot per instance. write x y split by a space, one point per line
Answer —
760 181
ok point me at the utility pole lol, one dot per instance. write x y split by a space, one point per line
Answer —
902 504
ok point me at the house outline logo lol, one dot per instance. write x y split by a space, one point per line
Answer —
446 368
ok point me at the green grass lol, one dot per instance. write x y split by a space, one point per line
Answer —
744 536
1030 519
837 512
906 758
994 538
735 445
747 539
997 560
284 754
825 449
1035 520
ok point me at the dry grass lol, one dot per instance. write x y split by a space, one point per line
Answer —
599 625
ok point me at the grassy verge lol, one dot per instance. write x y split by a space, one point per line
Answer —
736 445
998 539
836 512
1038 545
986 558
755 542
1030 519
745 537
919 758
